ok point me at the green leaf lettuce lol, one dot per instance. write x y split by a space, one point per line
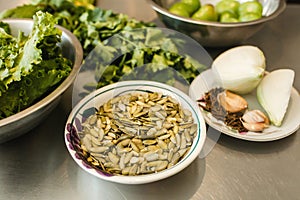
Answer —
30 66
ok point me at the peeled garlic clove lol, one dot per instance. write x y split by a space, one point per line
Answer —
255 116
256 127
232 102
255 120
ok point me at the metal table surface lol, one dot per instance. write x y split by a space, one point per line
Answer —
38 166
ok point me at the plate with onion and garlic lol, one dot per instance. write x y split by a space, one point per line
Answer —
239 98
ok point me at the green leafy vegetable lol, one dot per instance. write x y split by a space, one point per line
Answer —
142 54
31 66
152 56
90 25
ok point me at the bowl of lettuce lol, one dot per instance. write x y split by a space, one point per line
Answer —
39 60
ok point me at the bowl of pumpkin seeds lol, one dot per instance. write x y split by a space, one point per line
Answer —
135 132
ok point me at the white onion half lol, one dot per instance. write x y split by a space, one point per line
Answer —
240 69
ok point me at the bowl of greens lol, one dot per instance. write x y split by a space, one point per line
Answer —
39 61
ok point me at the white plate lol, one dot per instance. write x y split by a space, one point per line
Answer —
206 81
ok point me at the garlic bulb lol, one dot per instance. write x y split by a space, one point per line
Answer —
255 120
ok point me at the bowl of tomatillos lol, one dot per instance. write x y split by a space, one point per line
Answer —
217 23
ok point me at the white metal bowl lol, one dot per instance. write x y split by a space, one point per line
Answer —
102 95
20 123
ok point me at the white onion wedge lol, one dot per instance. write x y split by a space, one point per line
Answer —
273 93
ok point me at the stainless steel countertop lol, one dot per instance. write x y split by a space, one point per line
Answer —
38 166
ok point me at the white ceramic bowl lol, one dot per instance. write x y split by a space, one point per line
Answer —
20 123
102 95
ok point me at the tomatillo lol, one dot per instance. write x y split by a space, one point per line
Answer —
251 7
193 4
180 9
206 12
228 17
227 6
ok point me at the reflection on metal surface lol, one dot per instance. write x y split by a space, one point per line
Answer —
178 187
212 137
12 3
138 9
